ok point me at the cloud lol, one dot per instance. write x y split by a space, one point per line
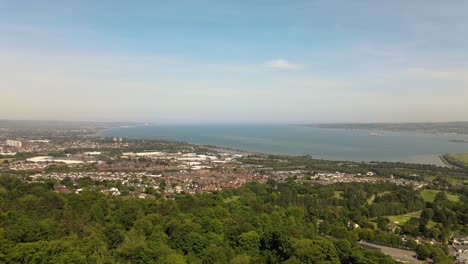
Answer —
282 65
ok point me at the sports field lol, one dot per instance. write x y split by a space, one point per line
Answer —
401 219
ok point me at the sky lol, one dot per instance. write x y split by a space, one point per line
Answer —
255 61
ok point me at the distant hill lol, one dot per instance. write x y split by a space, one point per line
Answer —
433 128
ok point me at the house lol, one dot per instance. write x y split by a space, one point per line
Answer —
462 257
460 239
112 191
92 153
460 252
146 196
61 189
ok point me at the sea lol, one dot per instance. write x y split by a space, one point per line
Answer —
321 143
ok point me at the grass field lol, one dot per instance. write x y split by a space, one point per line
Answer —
429 196
9 159
401 219
453 181
459 159
457 181
429 178
372 198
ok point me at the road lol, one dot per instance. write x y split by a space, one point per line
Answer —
406 256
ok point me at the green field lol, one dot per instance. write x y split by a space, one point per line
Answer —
457 159
401 219
453 181
429 178
380 194
429 196
9 159
457 181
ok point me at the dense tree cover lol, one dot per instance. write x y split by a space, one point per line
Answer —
437 253
401 201
258 223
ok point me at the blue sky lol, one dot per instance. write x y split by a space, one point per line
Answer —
235 61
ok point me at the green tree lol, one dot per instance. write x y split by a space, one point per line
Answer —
314 251
240 259
134 242
173 259
423 252
250 243
411 227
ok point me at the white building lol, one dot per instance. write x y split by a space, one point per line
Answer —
7 153
52 159
143 154
14 143
93 153
39 141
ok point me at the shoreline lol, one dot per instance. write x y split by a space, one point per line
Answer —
325 126
453 164
459 141
446 162
315 157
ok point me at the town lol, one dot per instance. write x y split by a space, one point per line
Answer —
108 160
156 169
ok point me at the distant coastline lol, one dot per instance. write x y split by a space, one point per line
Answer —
293 140
459 141
447 128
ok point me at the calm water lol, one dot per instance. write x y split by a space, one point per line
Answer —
334 144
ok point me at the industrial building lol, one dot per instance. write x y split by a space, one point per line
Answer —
14 143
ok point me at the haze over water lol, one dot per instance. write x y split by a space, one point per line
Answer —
333 144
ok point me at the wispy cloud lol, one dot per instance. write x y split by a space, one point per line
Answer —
282 65
181 88
440 74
